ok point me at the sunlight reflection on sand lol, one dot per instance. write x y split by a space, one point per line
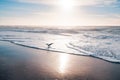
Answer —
63 63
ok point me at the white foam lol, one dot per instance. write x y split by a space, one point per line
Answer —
103 43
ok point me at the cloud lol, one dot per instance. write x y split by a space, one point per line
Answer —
76 2
48 2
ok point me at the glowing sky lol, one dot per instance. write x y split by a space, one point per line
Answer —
60 12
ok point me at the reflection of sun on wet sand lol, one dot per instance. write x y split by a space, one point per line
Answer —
21 63
63 63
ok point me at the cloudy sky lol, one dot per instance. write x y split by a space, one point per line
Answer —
60 12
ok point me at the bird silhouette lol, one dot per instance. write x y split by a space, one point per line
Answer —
49 45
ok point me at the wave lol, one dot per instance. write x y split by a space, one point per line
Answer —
99 43
110 58
80 52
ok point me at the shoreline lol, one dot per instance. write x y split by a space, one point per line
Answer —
22 63
61 52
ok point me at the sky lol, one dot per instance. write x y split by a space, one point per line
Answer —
60 12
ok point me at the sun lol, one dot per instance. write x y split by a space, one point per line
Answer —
66 12
66 4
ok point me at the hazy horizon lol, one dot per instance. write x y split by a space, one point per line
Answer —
57 27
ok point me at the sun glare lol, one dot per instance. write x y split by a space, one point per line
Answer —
66 9
66 4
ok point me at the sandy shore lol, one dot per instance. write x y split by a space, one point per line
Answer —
21 63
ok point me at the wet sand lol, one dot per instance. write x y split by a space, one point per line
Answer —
22 63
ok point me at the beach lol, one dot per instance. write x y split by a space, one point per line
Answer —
60 40
22 63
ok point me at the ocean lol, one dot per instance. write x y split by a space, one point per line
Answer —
100 42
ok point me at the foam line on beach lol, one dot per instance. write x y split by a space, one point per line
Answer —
109 59
83 52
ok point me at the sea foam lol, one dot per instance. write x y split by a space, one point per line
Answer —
103 43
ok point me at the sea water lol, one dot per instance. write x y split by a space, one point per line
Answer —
99 42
